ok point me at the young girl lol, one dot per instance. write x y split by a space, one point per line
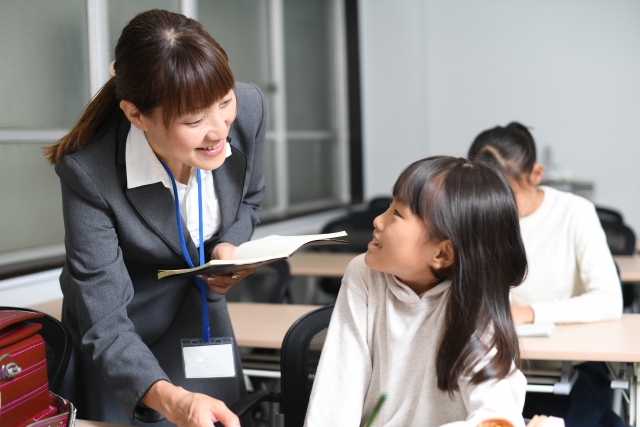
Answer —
571 276
424 314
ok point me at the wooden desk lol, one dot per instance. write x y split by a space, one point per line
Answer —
629 266
264 325
611 341
320 263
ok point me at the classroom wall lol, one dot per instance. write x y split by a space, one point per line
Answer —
435 73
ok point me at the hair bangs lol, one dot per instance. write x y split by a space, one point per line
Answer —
419 184
409 188
194 77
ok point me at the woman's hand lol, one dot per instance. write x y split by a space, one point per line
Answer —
187 409
522 315
221 284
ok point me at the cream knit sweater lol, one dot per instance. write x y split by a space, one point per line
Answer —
571 276
384 337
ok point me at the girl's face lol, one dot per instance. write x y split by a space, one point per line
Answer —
401 246
194 140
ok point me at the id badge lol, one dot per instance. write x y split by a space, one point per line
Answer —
208 359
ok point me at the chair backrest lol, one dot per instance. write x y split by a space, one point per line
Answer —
57 346
269 283
609 215
300 355
620 238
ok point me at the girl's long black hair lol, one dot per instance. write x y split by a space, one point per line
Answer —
471 204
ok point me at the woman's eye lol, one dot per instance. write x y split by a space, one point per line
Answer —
396 213
197 122
226 102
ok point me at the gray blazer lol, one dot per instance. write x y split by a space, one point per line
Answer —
126 325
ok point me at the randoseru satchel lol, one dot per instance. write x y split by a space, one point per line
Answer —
25 399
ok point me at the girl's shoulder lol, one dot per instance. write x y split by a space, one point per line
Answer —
360 278
567 204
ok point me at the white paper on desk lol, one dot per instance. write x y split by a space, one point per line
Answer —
535 329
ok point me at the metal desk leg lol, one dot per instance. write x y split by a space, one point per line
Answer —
634 396
568 378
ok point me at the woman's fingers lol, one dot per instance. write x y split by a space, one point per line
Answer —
203 411
221 284
226 417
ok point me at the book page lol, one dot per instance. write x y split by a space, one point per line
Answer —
278 246
258 252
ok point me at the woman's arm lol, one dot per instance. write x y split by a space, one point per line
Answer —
97 285
344 372
602 296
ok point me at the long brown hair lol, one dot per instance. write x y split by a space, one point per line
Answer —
163 59
471 204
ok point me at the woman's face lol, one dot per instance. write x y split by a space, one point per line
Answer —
193 140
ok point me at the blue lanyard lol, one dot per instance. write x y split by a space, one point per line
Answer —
206 333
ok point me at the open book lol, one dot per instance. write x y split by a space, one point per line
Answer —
258 252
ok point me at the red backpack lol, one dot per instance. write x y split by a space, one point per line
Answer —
25 399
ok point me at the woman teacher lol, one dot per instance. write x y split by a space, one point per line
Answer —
162 171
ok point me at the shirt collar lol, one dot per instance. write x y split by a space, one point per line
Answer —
143 167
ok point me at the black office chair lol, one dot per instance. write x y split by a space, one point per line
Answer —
359 228
57 347
609 215
269 284
621 241
620 238
301 351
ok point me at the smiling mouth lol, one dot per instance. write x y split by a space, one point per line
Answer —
211 147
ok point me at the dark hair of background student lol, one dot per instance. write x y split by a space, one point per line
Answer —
471 204
511 147
164 60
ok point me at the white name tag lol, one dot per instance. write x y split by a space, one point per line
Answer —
208 360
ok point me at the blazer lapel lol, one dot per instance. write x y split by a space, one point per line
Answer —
229 182
154 203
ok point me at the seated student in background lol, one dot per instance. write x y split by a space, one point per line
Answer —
571 275
424 314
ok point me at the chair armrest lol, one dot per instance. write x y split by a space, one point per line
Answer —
250 401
